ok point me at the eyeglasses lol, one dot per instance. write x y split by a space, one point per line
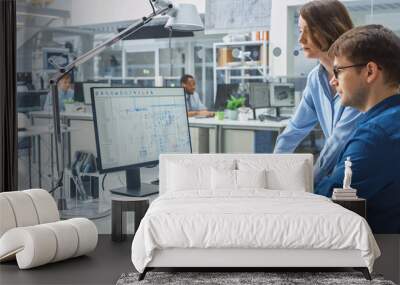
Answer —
337 69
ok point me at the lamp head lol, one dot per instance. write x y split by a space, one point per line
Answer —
162 4
185 18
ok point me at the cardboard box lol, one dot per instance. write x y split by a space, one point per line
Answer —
224 56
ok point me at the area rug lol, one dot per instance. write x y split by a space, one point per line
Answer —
244 278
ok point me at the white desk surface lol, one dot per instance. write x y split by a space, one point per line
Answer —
235 123
42 130
68 115
195 122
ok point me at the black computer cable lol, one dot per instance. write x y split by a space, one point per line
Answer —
102 182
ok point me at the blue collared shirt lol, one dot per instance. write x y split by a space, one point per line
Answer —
319 105
194 103
374 148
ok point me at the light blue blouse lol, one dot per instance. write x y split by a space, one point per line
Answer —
320 105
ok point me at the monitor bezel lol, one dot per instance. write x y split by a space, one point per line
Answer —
90 90
96 134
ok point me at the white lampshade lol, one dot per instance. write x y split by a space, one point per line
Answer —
185 18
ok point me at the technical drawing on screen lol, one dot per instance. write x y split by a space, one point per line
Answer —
133 126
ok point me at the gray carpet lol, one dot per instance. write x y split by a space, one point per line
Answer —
243 278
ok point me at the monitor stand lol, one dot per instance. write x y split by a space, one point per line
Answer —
134 188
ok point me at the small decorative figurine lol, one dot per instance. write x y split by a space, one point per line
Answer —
347 174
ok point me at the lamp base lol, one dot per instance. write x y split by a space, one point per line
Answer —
62 204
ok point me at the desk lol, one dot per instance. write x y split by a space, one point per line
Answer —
221 125
36 132
84 122
64 115
81 122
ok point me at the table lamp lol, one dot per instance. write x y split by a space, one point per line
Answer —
183 17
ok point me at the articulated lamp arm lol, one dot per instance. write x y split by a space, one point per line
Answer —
162 8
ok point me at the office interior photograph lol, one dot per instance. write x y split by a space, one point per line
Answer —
200 142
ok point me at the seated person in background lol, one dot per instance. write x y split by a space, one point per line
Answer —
367 76
194 106
65 92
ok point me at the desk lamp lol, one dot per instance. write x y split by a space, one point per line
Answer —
183 17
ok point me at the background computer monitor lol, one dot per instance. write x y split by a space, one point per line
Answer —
29 101
259 94
274 97
86 90
282 95
78 92
224 92
133 126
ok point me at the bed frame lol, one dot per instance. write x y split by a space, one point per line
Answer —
242 259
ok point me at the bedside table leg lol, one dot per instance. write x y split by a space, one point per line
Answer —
140 210
116 221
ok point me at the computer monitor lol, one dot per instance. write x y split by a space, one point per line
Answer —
29 101
272 96
282 95
133 126
259 94
224 92
78 92
87 87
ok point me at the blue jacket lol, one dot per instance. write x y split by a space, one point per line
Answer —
374 148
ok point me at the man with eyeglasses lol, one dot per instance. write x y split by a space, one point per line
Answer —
367 76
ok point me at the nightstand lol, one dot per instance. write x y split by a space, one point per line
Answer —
357 205
122 204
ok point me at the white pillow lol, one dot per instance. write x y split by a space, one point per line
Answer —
281 174
293 179
251 178
183 178
193 176
226 179
223 179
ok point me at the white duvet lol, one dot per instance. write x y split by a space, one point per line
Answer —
250 219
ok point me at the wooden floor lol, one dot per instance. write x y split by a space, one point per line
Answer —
110 259
102 266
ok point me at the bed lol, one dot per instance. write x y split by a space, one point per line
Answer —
247 210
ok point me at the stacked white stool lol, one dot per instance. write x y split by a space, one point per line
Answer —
32 233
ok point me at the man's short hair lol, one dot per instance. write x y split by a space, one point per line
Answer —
185 78
371 43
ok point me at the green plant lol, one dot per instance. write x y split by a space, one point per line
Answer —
235 102
69 101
